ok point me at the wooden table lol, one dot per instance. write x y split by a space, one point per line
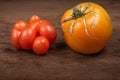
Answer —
60 63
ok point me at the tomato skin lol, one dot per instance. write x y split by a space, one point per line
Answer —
35 23
26 38
36 26
40 45
14 38
20 25
34 19
85 38
15 33
47 30
37 35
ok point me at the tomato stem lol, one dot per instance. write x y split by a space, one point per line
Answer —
85 8
71 27
68 19
77 13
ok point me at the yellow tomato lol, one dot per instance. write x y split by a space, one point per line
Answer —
87 28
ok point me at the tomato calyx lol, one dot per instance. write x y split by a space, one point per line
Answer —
77 13
80 12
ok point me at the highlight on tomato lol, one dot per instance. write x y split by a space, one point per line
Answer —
34 18
87 28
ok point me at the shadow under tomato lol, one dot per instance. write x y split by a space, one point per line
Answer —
59 46
94 54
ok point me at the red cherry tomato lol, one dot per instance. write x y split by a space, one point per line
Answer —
34 19
37 35
40 45
36 26
15 33
47 30
15 39
26 38
20 25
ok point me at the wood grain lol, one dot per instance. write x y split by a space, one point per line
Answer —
60 63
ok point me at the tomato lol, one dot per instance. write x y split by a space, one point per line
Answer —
36 26
40 45
14 38
26 38
47 30
15 33
34 19
87 28
35 23
37 35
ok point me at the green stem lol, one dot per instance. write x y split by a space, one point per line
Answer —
68 19
77 13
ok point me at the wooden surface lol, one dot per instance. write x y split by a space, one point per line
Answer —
60 63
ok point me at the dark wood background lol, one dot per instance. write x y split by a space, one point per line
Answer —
60 63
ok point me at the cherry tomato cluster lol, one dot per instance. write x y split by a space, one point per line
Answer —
37 35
